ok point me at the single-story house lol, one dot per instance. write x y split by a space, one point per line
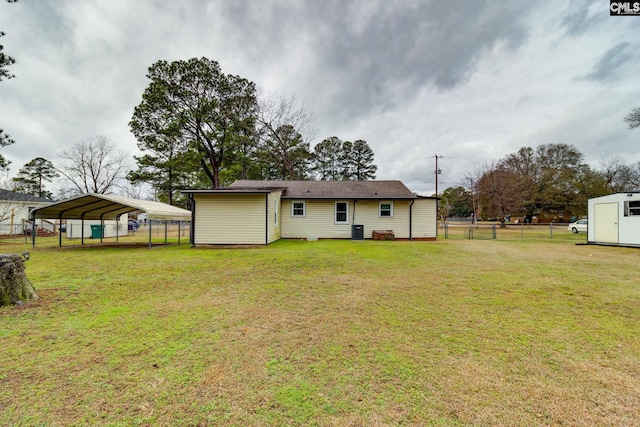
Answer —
15 210
614 219
261 212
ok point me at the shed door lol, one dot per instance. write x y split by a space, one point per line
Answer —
605 222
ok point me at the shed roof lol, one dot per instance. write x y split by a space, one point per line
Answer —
101 206
323 189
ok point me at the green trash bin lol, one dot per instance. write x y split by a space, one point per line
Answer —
97 231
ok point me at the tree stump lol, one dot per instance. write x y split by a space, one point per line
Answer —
15 288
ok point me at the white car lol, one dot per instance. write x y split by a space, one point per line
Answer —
579 226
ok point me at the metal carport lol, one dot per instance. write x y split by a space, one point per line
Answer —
106 207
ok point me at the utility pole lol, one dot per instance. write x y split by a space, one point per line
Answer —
437 172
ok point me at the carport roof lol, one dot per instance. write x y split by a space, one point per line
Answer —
101 206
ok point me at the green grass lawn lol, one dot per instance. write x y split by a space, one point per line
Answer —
344 333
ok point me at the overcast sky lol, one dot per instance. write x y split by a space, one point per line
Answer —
470 81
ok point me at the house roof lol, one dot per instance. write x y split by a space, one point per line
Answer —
102 206
12 196
330 189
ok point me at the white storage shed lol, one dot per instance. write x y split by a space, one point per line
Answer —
614 219
77 228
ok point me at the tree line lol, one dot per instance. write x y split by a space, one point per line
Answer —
550 180
200 128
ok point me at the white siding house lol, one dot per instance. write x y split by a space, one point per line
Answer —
614 219
260 212
15 209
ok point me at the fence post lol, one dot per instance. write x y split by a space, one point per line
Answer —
551 230
446 231
470 232
493 232
522 235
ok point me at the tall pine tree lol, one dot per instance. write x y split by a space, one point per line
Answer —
32 177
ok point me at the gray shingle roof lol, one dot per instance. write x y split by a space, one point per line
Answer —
331 189
12 196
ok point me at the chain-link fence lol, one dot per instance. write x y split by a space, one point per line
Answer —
508 231
15 232
155 232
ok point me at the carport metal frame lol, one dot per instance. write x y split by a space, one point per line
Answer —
107 207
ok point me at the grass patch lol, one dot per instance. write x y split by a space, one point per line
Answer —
452 332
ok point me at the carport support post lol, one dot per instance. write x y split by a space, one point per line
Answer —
82 230
33 231
60 231
149 221
166 224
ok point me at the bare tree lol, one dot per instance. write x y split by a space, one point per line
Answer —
94 165
142 191
277 111
619 175
285 128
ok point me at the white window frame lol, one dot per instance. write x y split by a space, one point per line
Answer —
390 203
632 208
275 212
335 213
304 209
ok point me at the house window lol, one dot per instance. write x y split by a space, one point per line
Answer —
632 208
342 213
275 212
386 210
298 209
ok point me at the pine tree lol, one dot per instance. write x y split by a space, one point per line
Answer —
31 178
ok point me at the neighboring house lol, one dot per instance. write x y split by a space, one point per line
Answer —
260 212
614 219
15 209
